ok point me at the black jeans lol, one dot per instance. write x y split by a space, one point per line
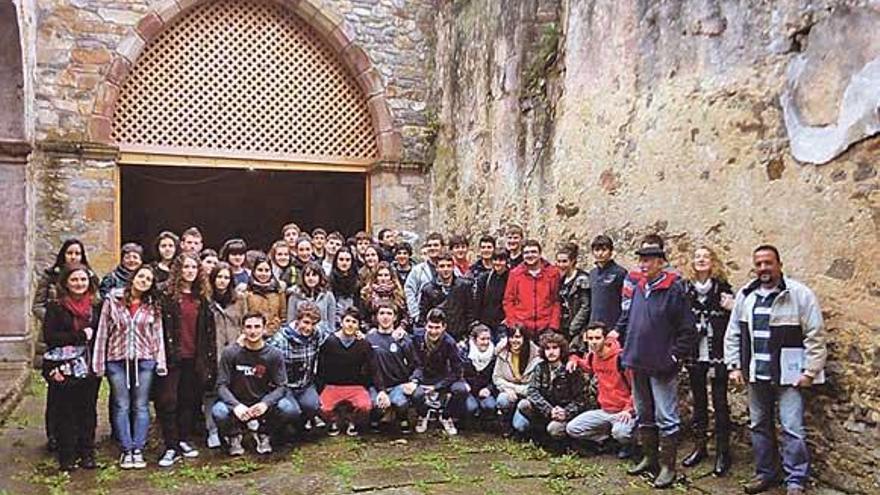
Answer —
178 399
74 409
698 374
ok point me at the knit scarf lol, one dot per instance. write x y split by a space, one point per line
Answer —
481 359
703 288
81 310
264 288
344 284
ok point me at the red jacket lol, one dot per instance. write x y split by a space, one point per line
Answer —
533 301
615 394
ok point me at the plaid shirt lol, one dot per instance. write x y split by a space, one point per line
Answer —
122 336
300 354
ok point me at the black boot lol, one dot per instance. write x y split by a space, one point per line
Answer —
722 453
649 438
668 453
699 452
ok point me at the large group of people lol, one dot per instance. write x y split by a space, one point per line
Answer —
239 346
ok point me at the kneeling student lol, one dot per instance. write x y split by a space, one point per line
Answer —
555 395
615 415
396 361
251 384
346 365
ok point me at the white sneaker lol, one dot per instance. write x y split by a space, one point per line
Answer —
319 423
169 458
264 445
126 461
422 424
188 450
137 460
253 425
213 440
352 430
449 426
235 447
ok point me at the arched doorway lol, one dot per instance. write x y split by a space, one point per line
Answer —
243 87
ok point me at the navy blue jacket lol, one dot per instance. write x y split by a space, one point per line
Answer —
442 367
605 287
660 328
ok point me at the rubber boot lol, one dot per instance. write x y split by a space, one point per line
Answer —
699 452
668 453
723 460
649 438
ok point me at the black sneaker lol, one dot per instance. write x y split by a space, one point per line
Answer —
87 461
333 429
405 427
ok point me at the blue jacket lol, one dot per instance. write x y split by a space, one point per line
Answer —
660 328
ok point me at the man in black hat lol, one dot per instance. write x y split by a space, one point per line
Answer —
660 333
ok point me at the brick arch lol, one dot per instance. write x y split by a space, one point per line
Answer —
333 29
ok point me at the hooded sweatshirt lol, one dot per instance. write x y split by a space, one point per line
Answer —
615 394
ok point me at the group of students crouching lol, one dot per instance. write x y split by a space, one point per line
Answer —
270 347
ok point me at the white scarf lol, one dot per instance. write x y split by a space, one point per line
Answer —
703 289
481 359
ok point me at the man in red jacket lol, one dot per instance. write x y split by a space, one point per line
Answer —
532 295
616 415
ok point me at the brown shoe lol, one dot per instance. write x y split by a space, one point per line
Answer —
759 485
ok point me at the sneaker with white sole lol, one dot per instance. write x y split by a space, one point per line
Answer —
188 450
422 424
333 429
264 444
235 447
404 427
137 459
319 423
449 426
213 440
352 430
126 461
253 425
168 458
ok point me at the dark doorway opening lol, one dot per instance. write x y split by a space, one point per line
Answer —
226 203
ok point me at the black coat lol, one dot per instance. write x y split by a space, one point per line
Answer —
58 329
456 303
204 336
489 298
714 314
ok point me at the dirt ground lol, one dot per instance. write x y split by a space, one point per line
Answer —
473 462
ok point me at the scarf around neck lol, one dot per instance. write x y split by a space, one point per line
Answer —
263 288
81 310
481 359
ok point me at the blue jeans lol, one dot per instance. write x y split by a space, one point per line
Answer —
474 405
453 400
400 402
304 404
525 415
276 417
131 393
763 397
656 402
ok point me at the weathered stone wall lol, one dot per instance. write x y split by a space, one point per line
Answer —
581 117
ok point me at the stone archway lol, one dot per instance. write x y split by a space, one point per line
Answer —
331 28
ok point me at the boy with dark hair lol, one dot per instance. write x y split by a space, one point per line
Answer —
531 298
615 415
319 240
438 373
486 247
396 360
361 242
251 384
346 365
489 294
555 395
450 293
191 241
402 263
387 240
513 238
458 246
574 292
334 242
422 274
606 282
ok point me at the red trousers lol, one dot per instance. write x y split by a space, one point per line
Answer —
354 396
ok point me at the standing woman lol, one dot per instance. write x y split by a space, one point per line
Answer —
72 253
165 247
130 349
73 390
384 288
711 299
264 295
344 281
179 393
371 263
313 286
282 269
227 307
234 252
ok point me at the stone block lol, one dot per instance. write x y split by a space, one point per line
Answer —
100 128
390 146
341 37
131 47
305 9
371 82
149 26
168 10
105 103
118 70
13 318
90 56
383 121
356 59
325 21
100 210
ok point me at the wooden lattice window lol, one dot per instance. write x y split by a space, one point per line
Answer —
244 77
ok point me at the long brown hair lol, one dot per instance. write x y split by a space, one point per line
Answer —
148 297
717 270
323 283
210 288
176 284
399 296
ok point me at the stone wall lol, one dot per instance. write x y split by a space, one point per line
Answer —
580 117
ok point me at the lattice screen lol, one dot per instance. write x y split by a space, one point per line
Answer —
247 77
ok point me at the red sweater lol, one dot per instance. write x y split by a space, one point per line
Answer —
533 301
614 390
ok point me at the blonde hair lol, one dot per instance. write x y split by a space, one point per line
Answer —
716 271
